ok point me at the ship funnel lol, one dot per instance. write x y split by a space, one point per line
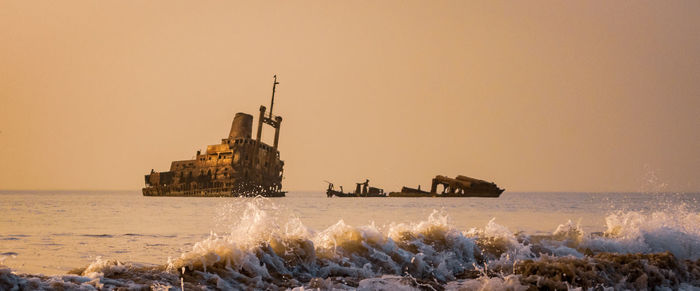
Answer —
242 126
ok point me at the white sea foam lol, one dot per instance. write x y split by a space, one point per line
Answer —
673 230
427 249
266 248
485 283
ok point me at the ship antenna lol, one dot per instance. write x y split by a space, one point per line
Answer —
272 103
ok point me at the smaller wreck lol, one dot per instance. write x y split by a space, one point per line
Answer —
361 190
461 186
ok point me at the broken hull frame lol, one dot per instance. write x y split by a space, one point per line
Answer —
481 194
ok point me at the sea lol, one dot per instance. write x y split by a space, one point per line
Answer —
109 240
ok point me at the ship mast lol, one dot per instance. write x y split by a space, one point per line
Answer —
272 103
270 119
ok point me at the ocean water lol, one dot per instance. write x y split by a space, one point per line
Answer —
103 240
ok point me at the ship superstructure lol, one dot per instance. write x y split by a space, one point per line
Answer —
238 166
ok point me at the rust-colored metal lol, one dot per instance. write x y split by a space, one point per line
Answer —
238 166
361 190
461 186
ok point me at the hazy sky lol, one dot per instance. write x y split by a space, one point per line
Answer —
533 95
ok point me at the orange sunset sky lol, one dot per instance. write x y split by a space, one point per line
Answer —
533 95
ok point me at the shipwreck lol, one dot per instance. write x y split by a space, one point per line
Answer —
361 190
461 186
238 166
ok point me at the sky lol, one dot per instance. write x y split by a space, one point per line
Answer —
532 95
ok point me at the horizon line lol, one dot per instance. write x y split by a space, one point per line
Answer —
514 191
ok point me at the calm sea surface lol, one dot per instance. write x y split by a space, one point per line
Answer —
53 232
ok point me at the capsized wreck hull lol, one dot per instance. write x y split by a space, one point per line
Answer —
491 194
461 186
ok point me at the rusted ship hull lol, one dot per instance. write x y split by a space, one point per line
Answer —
209 193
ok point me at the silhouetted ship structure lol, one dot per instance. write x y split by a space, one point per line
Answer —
361 190
461 186
238 166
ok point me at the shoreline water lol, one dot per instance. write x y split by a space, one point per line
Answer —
455 242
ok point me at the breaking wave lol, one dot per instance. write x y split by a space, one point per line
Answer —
266 249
